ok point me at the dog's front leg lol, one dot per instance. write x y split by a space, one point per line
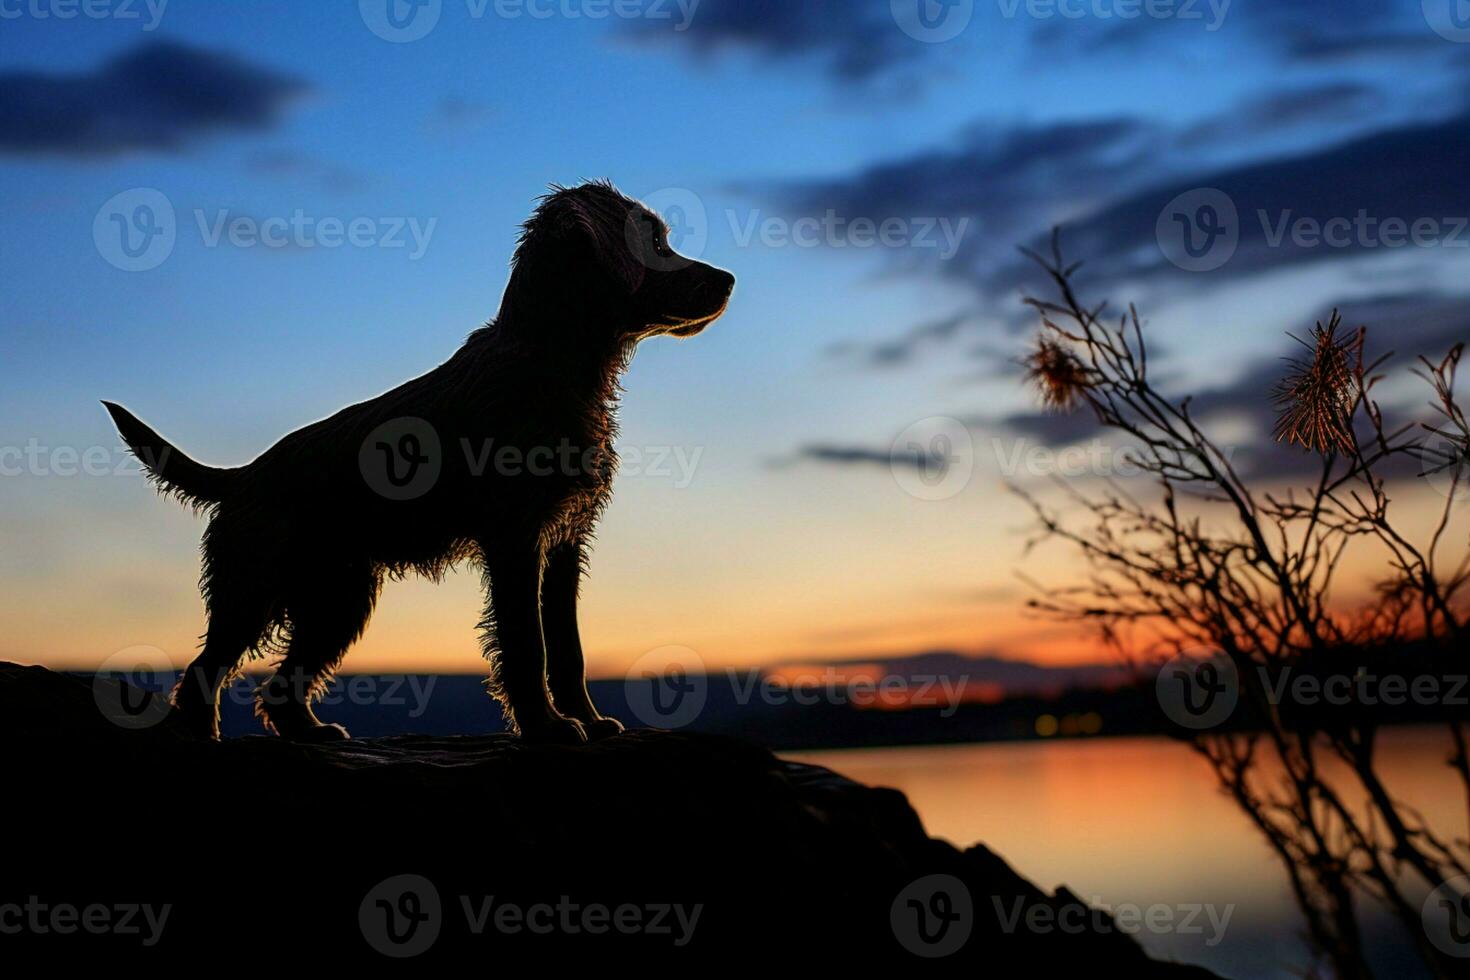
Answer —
566 671
514 644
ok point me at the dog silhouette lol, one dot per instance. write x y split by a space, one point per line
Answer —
502 456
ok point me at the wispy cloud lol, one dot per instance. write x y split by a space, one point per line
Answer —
1308 106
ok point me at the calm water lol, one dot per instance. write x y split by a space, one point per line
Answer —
1140 822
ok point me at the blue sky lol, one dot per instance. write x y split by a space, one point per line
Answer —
792 536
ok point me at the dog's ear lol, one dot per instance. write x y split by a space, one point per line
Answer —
577 229
590 229
602 228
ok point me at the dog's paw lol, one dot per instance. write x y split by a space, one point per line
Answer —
325 732
555 731
603 727
195 723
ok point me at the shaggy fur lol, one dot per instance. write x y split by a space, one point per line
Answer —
300 540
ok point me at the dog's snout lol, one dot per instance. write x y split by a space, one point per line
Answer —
718 286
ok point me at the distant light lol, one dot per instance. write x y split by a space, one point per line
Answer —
1091 723
1046 726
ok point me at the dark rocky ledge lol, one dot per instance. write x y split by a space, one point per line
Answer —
267 850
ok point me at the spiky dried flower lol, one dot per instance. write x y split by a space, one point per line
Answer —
1317 397
1058 374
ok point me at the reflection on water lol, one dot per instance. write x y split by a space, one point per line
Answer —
1140 822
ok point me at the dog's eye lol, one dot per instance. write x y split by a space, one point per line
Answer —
661 243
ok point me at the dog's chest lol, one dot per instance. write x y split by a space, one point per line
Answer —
584 479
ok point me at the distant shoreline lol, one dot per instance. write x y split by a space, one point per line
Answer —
374 705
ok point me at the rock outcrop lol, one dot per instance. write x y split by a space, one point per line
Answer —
647 847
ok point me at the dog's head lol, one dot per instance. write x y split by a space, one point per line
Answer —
601 258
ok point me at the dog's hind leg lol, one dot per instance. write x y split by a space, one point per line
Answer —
234 628
566 671
514 642
325 619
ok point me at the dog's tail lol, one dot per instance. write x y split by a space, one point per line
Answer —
166 466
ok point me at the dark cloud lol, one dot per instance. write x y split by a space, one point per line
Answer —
845 455
856 43
1287 109
1319 31
1402 175
853 41
1007 181
1107 182
850 455
456 112
156 97
1335 49
1282 27
287 164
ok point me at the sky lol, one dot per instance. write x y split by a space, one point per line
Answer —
321 200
